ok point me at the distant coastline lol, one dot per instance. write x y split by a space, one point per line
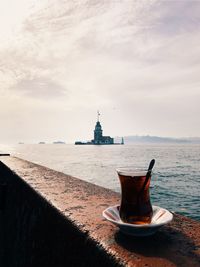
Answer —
157 139
134 139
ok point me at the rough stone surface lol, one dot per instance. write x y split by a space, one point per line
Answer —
40 200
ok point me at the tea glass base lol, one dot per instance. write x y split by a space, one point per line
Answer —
160 217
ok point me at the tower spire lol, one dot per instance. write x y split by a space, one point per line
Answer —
98 114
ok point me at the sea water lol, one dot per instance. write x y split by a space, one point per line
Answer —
175 181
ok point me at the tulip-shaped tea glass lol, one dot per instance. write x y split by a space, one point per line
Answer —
135 207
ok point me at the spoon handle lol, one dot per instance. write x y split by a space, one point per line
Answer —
147 177
148 174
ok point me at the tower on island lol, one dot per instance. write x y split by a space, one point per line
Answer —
99 139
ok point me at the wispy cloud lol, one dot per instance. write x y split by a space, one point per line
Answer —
105 54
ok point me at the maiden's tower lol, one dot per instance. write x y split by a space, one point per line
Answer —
99 139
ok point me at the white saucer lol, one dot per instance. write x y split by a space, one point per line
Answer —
160 217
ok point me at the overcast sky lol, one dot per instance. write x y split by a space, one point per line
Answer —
138 62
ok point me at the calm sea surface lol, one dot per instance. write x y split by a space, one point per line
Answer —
176 179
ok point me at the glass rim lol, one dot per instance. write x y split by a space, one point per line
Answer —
132 170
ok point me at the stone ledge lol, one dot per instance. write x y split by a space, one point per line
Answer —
79 205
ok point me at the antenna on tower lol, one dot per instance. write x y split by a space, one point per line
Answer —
98 114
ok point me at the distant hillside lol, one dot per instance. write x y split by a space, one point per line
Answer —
157 139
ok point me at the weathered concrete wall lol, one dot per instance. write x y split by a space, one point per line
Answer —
50 219
34 233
